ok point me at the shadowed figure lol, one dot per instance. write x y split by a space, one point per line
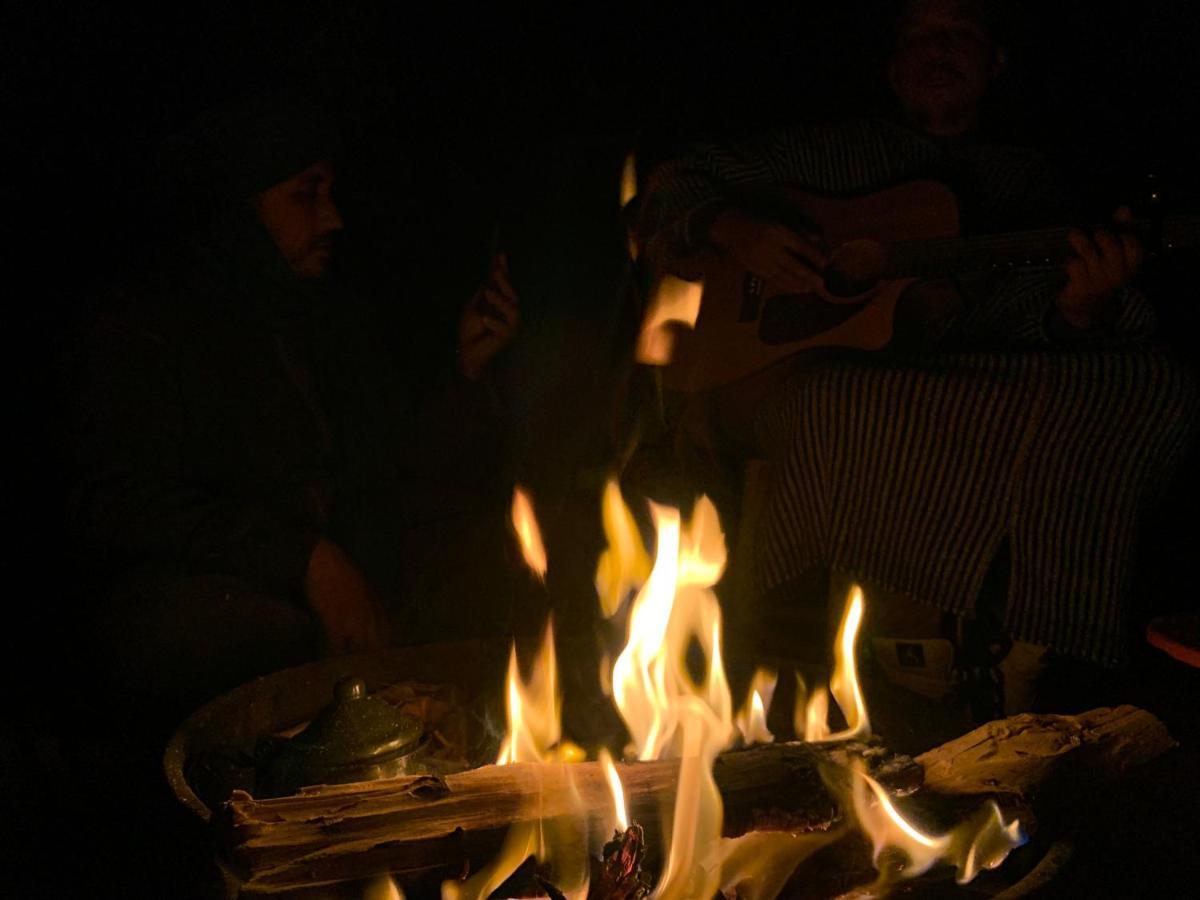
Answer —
254 452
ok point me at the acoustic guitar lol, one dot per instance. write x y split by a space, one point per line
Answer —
881 244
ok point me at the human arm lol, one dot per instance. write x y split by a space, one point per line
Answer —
143 494
489 320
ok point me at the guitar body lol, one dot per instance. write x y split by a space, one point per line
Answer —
745 327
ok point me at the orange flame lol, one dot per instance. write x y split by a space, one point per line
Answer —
751 720
981 842
529 536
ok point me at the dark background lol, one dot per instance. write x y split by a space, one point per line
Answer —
456 116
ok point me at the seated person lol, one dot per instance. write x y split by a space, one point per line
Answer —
978 478
248 457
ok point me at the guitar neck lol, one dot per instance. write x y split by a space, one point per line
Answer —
1042 248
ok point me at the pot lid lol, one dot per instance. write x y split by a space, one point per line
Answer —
353 730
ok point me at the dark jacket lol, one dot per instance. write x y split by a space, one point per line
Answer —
228 415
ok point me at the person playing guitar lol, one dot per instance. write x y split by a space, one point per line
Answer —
920 473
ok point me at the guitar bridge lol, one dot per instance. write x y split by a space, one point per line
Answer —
752 294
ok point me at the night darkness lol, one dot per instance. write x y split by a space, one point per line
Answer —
456 114
453 117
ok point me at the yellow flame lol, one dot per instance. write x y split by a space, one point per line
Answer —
751 720
629 179
534 708
382 888
981 842
629 188
521 842
667 712
621 819
674 608
558 843
529 536
675 303
844 684
757 865
624 565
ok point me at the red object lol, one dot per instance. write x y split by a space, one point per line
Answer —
1177 635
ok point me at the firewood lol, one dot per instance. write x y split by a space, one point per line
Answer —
416 824
1030 753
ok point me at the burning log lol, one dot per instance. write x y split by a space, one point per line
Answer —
424 825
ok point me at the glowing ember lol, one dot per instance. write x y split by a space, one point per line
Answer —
529 536
751 720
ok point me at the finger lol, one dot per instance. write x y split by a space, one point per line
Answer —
1077 273
1114 269
1110 249
1131 250
502 306
794 278
804 249
1084 248
500 277
787 261
499 328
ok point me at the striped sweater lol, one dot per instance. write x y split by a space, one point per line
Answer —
910 471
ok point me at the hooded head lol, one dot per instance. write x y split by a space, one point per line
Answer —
263 165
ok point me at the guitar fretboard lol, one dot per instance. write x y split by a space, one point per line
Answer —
1026 249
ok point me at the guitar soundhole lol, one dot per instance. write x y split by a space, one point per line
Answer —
795 317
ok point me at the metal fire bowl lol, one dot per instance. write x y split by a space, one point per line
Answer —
284 699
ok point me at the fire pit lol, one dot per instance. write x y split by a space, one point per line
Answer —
704 800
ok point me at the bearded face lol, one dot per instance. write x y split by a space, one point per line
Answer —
302 219
943 64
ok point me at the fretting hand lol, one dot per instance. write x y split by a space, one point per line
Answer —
790 261
489 320
1101 265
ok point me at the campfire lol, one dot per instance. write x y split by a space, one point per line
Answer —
671 714
693 799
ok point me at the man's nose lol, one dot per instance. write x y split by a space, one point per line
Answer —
329 217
